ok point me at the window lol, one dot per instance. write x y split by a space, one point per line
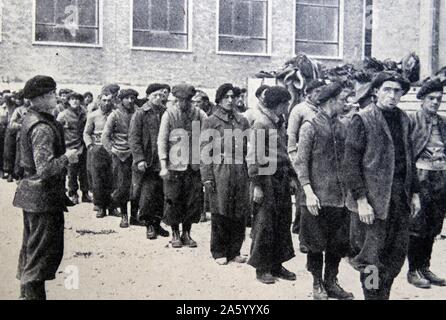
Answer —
72 22
319 28
243 26
368 28
162 24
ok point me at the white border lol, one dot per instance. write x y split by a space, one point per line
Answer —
190 19
268 35
341 33
69 44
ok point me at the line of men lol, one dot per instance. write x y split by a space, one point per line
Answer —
369 183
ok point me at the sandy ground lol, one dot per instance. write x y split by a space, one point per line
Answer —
121 264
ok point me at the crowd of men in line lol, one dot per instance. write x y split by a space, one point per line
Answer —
369 180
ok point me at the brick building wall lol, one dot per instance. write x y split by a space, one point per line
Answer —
116 62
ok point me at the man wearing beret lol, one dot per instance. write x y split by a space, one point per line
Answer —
325 218
183 191
429 141
115 139
99 160
147 184
73 120
381 177
272 181
41 191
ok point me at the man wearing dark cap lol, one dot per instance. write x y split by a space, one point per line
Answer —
304 111
99 160
325 218
180 170
73 120
147 186
63 102
41 191
272 179
380 175
253 112
115 139
429 141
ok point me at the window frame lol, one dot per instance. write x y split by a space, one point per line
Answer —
190 4
249 54
341 27
100 4
364 22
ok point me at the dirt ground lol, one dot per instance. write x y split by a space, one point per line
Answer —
116 264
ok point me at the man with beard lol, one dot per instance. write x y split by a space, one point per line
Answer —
183 191
98 158
272 179
41 191
115 139
225 177
147 183
429 140
73 120
381 177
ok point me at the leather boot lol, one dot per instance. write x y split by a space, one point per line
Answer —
160 230
113 212
282 273
417 279
265 277
134 221
335 291
187 240
319 292
151 233
124 218
432 278
35 291
102 213
176 239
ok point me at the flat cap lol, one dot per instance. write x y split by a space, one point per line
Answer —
38 86
393 76
112 88
222 91
329 91
156 87
314 84
76 95
274 96
183 91
429 87
65 91
125 93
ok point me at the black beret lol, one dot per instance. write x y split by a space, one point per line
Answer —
111 88
156 87
222 91
429 87
275 96
88 94
329 91
314 84
125 93
239 91
393 76
261 90
75 95
38 86
65 91
183 91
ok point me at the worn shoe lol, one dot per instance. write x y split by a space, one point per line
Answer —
151 233
319 292
188 241
86 198
284 274
433 278
221 261
161 231
335 291
74 199
113 212
101 214
239 259
418 280
176 240
124 222
265 277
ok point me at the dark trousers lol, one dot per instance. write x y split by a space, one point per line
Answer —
9 152
151 200
227 236
315 265
420 252
42 246
101 176
183 198
78 172
384 287
2 144
122 181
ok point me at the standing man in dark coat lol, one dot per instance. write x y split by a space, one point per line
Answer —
325 218
115 139
9 152
272 180
381 177
147 183
41 191
225 176
429 141
183 191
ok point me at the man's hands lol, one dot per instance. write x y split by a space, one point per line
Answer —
164 173
72 156
258 195
142 166
313 203
209 187
366 213
415 206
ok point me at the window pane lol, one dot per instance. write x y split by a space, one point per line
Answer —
258 25
53 34
242 45
87 12
177 16
141 14
318 49
159 40
225 16
45 11
241 23
159 15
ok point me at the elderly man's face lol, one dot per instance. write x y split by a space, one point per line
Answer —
389 94
228 101
432 102
157 98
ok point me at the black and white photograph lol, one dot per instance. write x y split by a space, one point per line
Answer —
222 150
